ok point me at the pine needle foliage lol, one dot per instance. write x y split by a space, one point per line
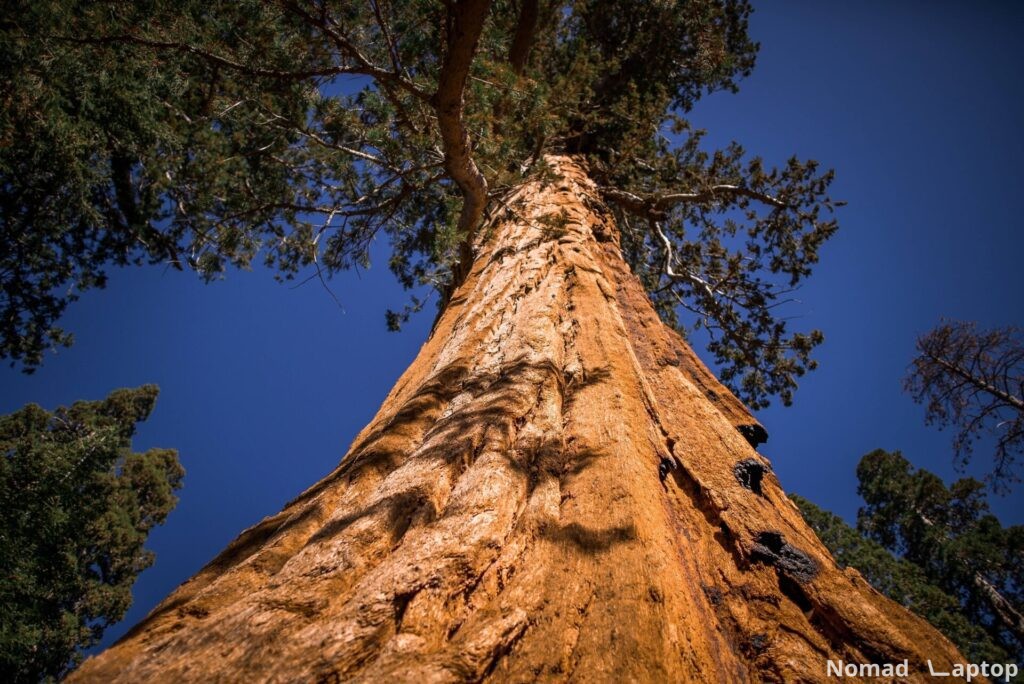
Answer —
210 135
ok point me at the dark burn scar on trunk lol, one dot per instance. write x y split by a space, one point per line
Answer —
749 473
754 434
771 548
665 466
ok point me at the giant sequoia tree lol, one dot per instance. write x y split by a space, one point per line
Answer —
557 487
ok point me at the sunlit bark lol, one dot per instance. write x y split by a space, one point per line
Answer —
556 489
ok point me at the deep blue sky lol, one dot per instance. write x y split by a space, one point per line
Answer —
918 106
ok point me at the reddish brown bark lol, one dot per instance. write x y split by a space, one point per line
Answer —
556 489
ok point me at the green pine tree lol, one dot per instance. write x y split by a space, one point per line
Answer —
902 581
77 507
950 533
937 550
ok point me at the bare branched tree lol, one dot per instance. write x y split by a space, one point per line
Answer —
973 380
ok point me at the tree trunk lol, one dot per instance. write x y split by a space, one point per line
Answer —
556 489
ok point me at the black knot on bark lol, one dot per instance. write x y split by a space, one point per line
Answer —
714 594
666 466
771 548
754 434
749 472
755 645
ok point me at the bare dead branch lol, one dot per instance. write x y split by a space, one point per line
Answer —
657 205
689 277
979 381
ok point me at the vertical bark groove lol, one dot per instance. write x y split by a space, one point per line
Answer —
508 514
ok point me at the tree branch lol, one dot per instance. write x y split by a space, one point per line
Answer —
386 32
348 48
214 58
658 205
522 41
1004 611
691 278
465 21
666 201
978 382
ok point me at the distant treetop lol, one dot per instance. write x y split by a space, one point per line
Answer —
973 381
76 507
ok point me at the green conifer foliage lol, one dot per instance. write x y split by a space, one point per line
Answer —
208 135
938 550
950 533
78 505
902 581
